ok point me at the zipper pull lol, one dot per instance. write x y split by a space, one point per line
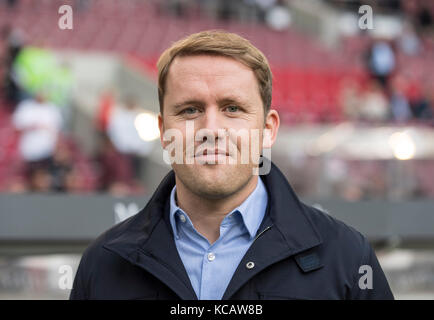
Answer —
262 232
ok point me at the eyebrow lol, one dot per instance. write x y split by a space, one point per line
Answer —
188 102
231 99
225 100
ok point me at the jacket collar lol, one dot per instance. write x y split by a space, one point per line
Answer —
146 239
288 214
285 231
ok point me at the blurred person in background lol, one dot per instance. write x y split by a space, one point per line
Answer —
424 18
39 123
14 40
374 105
105 107
278 17
122 131
421 100
399 105
37 69
226 10
39 178
264 6
381 61
349 98
61 168
116 170
408 41
120 154
73 181
71 171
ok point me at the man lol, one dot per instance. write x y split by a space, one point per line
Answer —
39 121
213 228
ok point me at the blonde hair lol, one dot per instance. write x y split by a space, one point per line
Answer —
218 43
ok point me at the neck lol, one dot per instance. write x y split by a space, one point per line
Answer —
207 214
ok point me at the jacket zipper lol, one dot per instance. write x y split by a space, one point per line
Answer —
261 233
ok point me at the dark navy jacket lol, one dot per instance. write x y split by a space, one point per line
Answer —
299 253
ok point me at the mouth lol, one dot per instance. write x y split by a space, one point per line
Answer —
212 156
216 152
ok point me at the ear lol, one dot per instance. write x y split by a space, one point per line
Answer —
161 127
272 122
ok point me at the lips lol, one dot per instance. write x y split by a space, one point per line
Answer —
215 152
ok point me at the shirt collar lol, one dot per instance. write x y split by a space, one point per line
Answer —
173 210
252 210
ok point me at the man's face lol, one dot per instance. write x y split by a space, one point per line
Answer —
215 94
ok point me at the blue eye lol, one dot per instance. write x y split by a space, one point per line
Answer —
189 110
232 108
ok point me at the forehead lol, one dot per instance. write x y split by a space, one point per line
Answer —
202 74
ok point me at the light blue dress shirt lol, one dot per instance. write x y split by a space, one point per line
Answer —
211 266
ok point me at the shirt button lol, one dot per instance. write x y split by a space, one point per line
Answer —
211 256
182 218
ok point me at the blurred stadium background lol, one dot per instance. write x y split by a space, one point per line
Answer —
79 148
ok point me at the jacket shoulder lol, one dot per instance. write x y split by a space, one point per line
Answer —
333 229
350 254
110 234
342 246
96 260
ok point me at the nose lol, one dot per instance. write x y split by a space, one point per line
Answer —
211 122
